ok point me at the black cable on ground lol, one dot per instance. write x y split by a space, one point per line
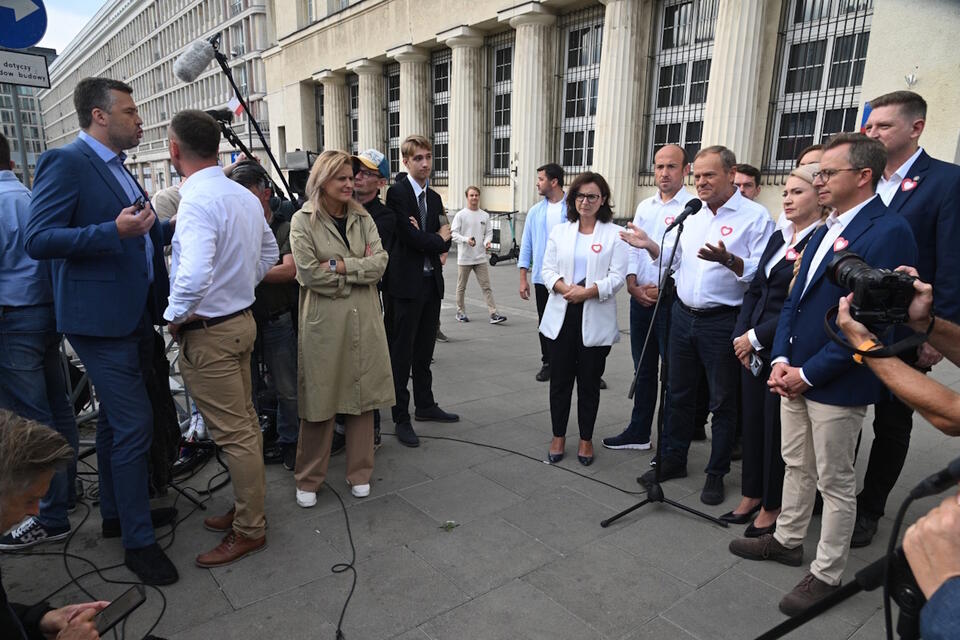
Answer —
343 567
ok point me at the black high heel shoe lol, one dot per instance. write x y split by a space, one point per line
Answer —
554 458
585 460
740 518
755 532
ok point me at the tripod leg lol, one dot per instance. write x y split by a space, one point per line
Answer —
705 516
606 523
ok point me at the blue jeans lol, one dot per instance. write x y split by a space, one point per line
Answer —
698 343
278 348
124 427
32 384
645 395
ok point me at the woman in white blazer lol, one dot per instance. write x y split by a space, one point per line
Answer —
584 266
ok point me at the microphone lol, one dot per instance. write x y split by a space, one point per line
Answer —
693 205
940 481
194 59
220 115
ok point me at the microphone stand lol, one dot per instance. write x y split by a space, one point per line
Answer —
237 143
654 490
222 61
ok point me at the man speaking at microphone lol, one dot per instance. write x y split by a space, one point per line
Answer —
222 248
716 259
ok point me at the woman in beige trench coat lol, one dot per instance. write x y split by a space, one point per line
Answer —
344 362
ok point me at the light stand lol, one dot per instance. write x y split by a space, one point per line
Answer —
222 61
654 490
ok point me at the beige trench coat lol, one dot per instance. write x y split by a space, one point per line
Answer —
344 362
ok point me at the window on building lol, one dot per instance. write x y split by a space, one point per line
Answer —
353 89
440 61
500 104
318 102
822 50
684 49
581 42
392 79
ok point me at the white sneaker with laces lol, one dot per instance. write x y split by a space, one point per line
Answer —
306 499
360 490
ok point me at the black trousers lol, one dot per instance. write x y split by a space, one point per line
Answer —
762 472
571 361
413 338
892 425
542 295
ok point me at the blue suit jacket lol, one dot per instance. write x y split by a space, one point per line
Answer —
882 240
100 285
932 208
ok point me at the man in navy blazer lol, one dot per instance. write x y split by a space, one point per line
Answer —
824 393
926 192
110 288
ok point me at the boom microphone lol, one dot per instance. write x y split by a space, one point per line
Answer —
693 205
220 115
195 58
938 482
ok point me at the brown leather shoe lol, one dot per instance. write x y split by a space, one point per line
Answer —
222 523
766 547
233 547
807 593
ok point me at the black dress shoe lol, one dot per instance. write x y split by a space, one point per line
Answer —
151 565
713 492
740 518
755 532
435 414
406 435
161 517
863 531
544 374
669 469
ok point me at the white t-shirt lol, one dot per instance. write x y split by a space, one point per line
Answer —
554 214
580 253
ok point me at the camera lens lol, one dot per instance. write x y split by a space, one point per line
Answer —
844 269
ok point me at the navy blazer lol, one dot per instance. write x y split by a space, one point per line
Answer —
882 240
410 245
764 299
932 207
100 285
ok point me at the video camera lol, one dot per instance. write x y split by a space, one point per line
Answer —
880 297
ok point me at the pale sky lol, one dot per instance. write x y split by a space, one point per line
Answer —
65 19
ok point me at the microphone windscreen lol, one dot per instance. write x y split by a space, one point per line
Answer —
194 59
694 205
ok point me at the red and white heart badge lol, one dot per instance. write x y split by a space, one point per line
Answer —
792 255
668 220
840 244
596 248
725 230
908 184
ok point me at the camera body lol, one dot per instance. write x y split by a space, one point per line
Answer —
880 297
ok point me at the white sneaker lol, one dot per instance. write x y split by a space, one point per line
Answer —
360 490
306 499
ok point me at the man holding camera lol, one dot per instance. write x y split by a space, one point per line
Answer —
825 394
926 192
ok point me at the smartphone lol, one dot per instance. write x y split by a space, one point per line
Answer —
140 203
756 365
120 608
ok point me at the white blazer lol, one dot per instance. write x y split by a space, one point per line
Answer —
606 268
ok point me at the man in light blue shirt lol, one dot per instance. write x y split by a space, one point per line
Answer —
541 218
31 376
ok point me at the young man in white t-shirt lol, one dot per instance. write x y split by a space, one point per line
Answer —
473 234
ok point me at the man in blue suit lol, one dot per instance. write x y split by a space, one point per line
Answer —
926 192
110 288
824 393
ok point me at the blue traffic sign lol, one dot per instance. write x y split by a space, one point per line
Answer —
22 23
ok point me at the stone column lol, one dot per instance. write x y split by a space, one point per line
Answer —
616 152
415 94
733 94
372 127
336 133
466 112
532 116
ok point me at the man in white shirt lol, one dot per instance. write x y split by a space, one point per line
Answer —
717 257
222 248
926 192
653 215
473 234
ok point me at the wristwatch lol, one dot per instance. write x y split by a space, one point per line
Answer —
729 262
333 264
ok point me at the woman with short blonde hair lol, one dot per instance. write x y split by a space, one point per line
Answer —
344 363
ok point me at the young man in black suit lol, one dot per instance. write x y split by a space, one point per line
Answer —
415 285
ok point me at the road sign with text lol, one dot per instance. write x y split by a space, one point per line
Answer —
26 69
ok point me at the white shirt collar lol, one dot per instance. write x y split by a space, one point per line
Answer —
733 204
197 177
843 219
904 169
786 229
417 189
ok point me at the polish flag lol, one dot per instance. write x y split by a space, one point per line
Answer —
235 106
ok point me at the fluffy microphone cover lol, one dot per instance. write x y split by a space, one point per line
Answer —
193 60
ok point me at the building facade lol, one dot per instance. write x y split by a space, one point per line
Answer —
22 102
137 41
502 88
